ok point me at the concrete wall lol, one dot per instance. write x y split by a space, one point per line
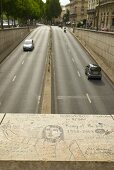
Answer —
101 43
10 38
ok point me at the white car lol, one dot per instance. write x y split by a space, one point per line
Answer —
28 45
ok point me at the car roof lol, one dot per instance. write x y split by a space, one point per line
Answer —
28 40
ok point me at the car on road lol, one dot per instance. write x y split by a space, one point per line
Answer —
93 71
65 29
28 45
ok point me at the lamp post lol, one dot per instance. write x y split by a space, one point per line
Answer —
1 14
98 15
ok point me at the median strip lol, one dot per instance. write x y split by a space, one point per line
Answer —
46 98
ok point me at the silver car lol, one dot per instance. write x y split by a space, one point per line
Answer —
28 45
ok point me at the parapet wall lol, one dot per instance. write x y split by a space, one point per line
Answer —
101 43
10 38
56 142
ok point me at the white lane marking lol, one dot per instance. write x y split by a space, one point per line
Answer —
14 78
39 97
88 97
78 73
70 97
73 60
22 62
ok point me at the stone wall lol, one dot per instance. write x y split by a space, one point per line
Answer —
56 142
10 38
101 43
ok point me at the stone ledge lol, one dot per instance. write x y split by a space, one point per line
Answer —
32 137
34 165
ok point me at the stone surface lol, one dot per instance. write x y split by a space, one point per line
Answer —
1 117
32 137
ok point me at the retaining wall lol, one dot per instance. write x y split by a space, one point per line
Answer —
10 38
101 43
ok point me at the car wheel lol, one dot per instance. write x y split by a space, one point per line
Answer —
88 78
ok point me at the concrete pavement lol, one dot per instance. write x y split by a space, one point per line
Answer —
77 139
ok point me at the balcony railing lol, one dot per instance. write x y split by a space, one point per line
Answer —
73 13
91 11
103 2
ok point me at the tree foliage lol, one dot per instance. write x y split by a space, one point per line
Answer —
52 9
66 16
22 9
28 10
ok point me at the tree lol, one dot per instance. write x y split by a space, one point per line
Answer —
66 16
22 9
53 9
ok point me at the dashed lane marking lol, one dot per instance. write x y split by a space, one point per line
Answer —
39 97
78 73
87 95
14 78
73 60
22 62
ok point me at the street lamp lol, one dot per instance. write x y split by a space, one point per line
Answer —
1 14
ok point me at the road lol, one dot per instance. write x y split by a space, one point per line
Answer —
21 75
73 92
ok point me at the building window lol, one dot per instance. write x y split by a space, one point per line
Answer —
113 12
112 21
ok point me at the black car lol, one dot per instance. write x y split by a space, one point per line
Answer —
93 71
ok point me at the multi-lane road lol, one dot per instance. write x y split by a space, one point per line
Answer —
22 74
74 93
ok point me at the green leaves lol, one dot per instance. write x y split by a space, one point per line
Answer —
53 9
22 9
27 10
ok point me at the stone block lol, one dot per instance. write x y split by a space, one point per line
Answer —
54 142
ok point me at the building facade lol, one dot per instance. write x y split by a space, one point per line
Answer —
105 10
91 13
78 10
100 14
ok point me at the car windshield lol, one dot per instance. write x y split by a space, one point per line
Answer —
95 69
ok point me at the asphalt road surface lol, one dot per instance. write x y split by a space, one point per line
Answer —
21 75
74 93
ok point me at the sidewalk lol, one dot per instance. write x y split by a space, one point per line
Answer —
66 141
